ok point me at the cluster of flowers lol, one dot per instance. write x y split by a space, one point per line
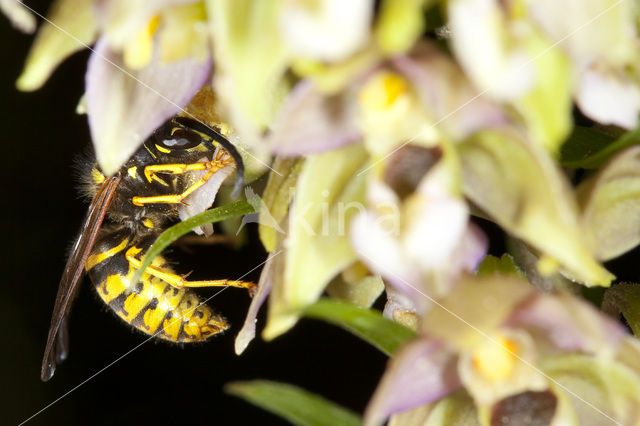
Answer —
390 123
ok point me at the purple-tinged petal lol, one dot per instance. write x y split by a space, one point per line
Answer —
447 94
310 121
471 250
125 107
569 323
248 331
423 371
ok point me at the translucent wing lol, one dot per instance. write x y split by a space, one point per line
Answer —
57 340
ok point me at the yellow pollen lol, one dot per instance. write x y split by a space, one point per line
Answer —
147 223
547 265
97 177
382 90
495 360
137 53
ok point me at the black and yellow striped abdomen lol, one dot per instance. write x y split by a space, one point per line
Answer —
151 305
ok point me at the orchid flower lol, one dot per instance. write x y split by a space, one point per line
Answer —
497 349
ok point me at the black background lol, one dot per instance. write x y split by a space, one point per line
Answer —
157 382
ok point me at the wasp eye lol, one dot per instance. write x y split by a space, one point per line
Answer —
178 138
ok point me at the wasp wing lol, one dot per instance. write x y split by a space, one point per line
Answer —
57 340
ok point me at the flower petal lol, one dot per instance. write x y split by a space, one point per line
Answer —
569 323
400 23
517 184
74 27
611 386
609 98
248 331
483 302
589 29
421 372
456 409
330 190
383 254
203 198
252 61
501 365
611 205
490 54
447 94
328 30
276 199
125 107
310 121
121 19
19 15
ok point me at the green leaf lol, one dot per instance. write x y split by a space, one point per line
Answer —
298 406
178 230
624 299
611 205
582 143
520 187
330 190
589 149
368 324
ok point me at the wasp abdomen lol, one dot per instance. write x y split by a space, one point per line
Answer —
151 305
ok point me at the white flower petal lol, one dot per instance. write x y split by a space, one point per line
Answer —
248 331
203 198
434 229
327 30
480 39
19 15
125 107
609 99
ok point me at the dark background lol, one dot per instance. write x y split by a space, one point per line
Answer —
158 382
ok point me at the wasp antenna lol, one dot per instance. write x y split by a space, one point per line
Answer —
228 146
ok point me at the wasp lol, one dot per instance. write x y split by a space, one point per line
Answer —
127 213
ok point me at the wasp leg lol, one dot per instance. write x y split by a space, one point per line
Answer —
149 171
179 281
220 161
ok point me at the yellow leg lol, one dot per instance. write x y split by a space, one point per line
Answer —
179 281
178 168
150 171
